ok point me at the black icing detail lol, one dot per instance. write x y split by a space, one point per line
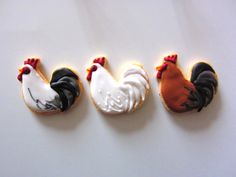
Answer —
65 83
48 106
205 81
199 68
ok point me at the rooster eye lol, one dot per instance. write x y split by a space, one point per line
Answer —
26 70
94 68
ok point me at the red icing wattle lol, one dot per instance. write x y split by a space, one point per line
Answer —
90 71
19 77
161 69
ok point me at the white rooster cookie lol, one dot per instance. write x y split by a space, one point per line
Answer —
42 96
114 97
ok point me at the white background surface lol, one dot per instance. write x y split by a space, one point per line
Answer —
148 143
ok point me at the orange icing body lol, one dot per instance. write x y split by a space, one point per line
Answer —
175 89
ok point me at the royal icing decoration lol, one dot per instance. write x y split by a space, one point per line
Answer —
181 95
114 97
41 96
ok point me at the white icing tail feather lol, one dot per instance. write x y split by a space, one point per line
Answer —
135 84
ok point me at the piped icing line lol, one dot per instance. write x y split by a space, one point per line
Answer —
113 97
42 96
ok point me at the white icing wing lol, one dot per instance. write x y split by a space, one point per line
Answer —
135 84
114 102
38 94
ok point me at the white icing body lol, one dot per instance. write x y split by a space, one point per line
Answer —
115 97
38 95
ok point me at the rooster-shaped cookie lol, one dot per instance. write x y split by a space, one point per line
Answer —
114 97
41 96
181 95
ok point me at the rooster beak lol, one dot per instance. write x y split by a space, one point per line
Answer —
87 69
158 68
20 70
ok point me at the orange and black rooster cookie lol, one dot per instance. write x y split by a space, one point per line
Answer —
181 95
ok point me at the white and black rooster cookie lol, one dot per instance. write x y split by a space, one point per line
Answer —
42 96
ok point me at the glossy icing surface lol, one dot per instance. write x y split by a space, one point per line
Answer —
38 94
181 95
114 97
41 96
65 83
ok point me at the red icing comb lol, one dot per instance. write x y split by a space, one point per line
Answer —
100 60
32 62
171 58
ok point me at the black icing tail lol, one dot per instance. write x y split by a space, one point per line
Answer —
65 83
205 80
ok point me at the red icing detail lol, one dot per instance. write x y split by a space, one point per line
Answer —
32 62
161 69
159 75
19 77
100 61
89 76
24 70
91 70
171 58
